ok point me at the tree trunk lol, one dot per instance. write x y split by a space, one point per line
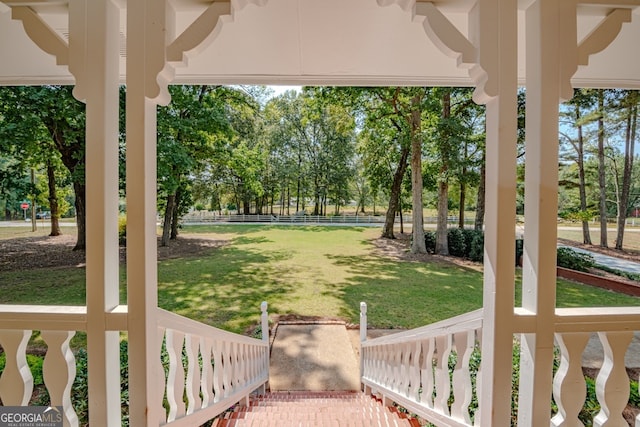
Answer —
442 243
53 201
394 195
298 182
623 204
601 172
462 201
417 230
479 221
288 199
168 215
174 215
586 236
81 243
400 215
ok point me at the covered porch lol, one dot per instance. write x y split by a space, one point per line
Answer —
549 46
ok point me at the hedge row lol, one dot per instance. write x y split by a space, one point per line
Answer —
463 243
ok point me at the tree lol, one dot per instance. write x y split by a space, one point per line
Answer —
582 99
188 129
312 137
601 169
629 104
384 146
45 119
448 134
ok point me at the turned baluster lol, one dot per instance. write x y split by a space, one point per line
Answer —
443 387
193 374
612 383
175 378
16 381
464 342
569 387
59 371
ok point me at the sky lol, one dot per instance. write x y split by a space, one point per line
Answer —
279 90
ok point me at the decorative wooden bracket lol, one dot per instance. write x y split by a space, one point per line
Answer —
200 33
574 53
193 40
78 46
450 41
72 53
603 35
42 34
446 36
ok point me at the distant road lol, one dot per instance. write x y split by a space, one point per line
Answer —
40 222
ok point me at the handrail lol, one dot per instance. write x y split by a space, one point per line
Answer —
169 320
463 322
411 368
55 317
212 368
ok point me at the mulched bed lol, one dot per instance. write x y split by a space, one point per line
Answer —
57 252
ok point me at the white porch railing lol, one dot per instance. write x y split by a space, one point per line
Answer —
412 368
212 368
222 369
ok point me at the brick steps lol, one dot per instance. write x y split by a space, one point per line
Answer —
310 409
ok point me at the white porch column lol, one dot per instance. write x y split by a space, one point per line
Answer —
94 42
541 205
499 272
145 43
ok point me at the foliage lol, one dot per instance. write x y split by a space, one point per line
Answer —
463 243
35 366
122 229
569 258
476 245
621 273
430 241
80 387
456 241
45 126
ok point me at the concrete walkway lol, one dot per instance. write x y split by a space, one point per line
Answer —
313 357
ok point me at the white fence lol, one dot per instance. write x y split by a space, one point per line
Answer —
210 217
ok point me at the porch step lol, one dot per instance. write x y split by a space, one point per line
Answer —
310 409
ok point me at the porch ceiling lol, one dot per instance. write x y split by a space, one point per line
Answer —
318 41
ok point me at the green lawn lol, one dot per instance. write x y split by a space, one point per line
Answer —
630 242
310 271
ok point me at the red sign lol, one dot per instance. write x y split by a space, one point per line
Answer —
24 206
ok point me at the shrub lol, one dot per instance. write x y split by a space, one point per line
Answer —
430 241
35 366
457 246
122 229
476 252
568 258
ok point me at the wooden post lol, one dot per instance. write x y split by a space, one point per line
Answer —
498 46
363 321
95 42
541 207
146 24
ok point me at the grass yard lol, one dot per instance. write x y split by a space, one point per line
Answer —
308 271
630 242
313 271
